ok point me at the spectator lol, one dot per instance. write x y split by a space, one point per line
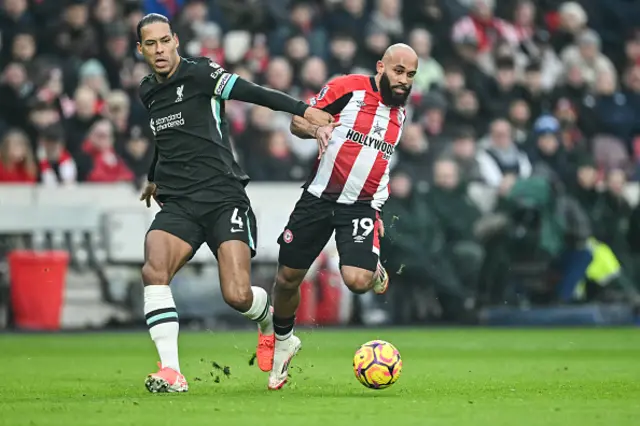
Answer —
275 162
100 162
73 36
413 251
504 89
520 118
463 152
57 166
349 16
572 21
586 55
534 92
117 111
548 150
14 17
609 110
430 72
375 43
387 18
466 112
138 154
414 154
585 189
524 20
612 222
432 117
342 56
501 156
207 42
483 27
24 48
86 113
571 136
16 160
302 21
449 194
15 90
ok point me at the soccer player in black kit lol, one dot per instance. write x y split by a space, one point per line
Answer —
201 190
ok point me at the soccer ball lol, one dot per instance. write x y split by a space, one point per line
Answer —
377 364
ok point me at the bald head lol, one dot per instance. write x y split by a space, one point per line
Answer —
396 71
400 52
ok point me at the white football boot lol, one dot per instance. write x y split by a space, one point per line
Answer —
285 350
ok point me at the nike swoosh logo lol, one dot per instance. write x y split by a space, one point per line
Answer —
237 230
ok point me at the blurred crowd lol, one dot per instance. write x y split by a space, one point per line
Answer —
539 100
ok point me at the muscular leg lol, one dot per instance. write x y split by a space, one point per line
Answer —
234 263
164 256
286 298
358 280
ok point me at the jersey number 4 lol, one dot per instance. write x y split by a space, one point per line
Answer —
236 222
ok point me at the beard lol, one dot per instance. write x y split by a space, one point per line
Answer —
389 97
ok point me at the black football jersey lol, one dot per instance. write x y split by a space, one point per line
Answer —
194 154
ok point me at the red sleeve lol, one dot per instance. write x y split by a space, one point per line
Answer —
331 93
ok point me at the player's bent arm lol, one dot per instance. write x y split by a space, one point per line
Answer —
301 128
246 91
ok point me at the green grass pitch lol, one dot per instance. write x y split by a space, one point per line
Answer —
455 377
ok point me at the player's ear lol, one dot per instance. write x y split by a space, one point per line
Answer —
139 46
175 37
380 67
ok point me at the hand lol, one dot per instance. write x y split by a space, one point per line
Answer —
381 227
148 193
506 184
323 135
318 117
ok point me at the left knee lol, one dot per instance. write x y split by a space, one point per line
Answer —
357 280
238 296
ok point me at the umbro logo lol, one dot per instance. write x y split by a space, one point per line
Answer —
361 104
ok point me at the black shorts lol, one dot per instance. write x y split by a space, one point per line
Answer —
313 221
197 222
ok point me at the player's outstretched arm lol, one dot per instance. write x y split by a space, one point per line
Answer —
247 91
303 129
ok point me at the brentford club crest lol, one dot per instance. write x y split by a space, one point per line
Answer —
287 236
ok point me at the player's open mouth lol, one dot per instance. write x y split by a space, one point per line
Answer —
400 90
161 62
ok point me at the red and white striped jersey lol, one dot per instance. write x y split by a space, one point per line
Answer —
355 166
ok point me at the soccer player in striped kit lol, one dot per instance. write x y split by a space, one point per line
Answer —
346 190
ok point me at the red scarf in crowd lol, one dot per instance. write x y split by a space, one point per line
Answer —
66 168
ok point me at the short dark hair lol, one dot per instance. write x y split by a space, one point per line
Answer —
52 133
150 19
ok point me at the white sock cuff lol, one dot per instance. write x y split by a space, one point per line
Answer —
159 293
260 306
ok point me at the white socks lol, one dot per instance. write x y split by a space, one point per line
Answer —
260 310
162 320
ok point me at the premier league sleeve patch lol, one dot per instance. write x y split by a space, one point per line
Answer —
322 93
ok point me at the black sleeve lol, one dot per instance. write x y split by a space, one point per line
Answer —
246 91
152 167
338 105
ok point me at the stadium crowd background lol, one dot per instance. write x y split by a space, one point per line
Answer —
506 90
